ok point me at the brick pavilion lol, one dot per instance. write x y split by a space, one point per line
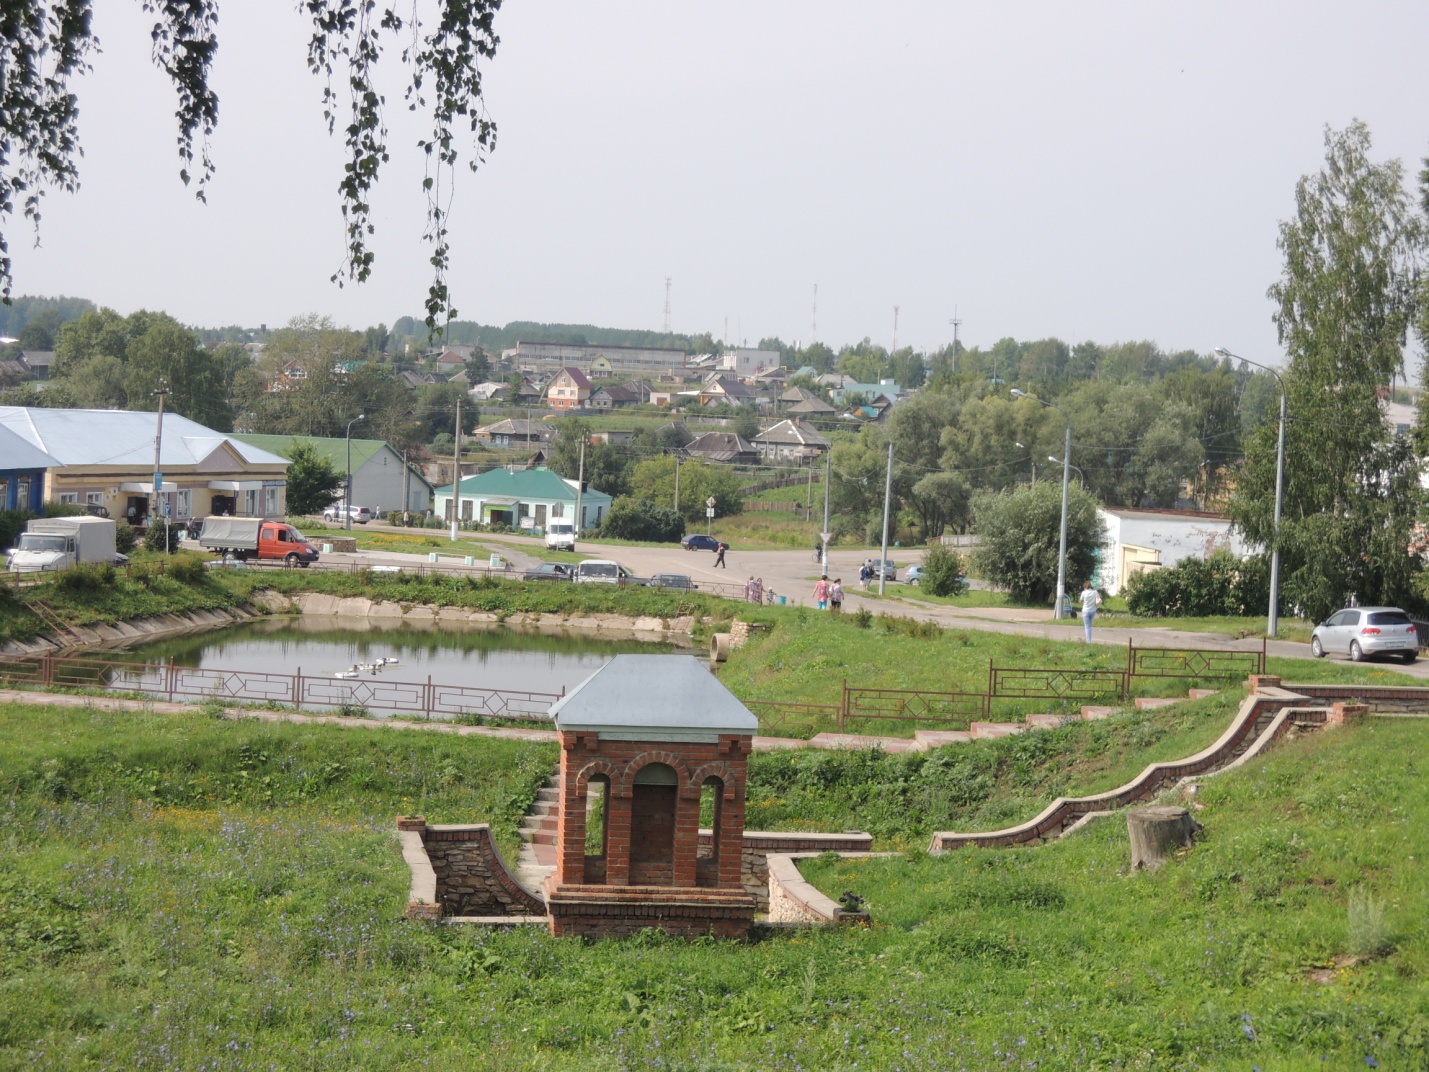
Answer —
648 743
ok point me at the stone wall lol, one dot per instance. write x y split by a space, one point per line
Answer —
457 870
614 912
792 899
759 844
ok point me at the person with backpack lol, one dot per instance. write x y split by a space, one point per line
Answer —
720 549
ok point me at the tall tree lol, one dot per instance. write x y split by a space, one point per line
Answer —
1344 303
46 43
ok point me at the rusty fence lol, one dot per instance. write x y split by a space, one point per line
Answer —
369 692
858 707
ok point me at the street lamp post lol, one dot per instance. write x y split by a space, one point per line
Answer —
347 501
1059 612
1272 626
1081 476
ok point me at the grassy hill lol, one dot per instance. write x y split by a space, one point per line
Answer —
181 892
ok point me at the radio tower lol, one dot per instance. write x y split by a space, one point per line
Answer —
894 348
814 318
956 345
667 305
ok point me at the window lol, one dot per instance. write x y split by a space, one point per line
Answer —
250 503
70 498
184 506
272 505
94 498
558 509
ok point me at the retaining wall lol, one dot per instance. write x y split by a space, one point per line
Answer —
1253 719
759 845
457 870
793 899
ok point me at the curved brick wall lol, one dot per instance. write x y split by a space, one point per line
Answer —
457 870
1254 719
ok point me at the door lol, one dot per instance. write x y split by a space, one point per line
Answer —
652 826
1343 626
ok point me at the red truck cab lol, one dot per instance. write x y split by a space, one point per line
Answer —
281 541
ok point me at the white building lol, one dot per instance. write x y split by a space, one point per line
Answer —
1140 540
745 362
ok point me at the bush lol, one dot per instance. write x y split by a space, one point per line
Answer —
87 577
12 523
641 519
124 537
1018 535
1194 587
154 537
943 572
187 569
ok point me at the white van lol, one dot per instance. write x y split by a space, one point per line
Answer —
561 535
602 571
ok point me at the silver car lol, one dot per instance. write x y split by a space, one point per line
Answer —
1360 632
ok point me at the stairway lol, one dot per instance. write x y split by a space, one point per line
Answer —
538 838
47 614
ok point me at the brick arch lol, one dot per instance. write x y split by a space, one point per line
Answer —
614 771
721 770
670 759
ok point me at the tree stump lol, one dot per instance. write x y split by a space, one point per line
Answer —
1156 833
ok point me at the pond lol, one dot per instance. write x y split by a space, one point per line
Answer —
492 657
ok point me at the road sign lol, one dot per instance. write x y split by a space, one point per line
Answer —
826 536
709 512
168 509
710 502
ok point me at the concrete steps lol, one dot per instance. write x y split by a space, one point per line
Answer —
538 838
1149 703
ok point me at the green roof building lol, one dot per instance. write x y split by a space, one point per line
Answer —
380 480
521 498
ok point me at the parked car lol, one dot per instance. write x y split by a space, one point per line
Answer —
914 576
885 567
1360 632
603 571
550 571
698 541
671 580
360 515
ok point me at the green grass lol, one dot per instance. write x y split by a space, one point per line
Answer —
1232 956
806 657
179 893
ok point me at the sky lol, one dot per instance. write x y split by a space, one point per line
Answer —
1107 171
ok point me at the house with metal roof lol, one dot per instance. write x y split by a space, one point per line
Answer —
381 479
729 448
790 440
869 391
22 472
568 390
106 458
515 432
521 498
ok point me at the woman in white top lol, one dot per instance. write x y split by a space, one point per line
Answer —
1090 600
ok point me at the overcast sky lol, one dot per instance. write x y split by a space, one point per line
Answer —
1111 171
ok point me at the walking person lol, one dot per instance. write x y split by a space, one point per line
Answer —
836 595
749 590
863 572
720 549
758 596
1091 599
821 592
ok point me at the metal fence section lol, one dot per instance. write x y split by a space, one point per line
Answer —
1193 662
779 719
912 705
1054 684
374 692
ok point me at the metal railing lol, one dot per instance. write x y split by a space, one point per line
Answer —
375 692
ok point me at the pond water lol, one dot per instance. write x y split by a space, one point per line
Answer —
492 657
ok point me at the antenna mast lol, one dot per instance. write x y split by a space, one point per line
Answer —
894 348
956 345
814 318
667 305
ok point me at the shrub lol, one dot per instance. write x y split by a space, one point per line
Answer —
943 573
12 523
156 532
641 519
124 537
1368 931
1194 587
87 577
187 569
1019 530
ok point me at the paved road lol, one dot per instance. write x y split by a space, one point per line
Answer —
793 573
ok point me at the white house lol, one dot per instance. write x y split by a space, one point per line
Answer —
1140 540
521 498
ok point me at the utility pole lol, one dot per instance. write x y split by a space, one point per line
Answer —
406 485
157 488
456 474
677 480
894 348
956 345
814 327
667 305
887 501
828 462
580 484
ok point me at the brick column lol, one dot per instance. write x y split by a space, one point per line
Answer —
617 842
1259 682
1348 713
570 819
687 834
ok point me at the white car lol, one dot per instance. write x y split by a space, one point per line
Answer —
360 514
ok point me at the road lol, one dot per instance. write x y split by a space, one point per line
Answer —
792 574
